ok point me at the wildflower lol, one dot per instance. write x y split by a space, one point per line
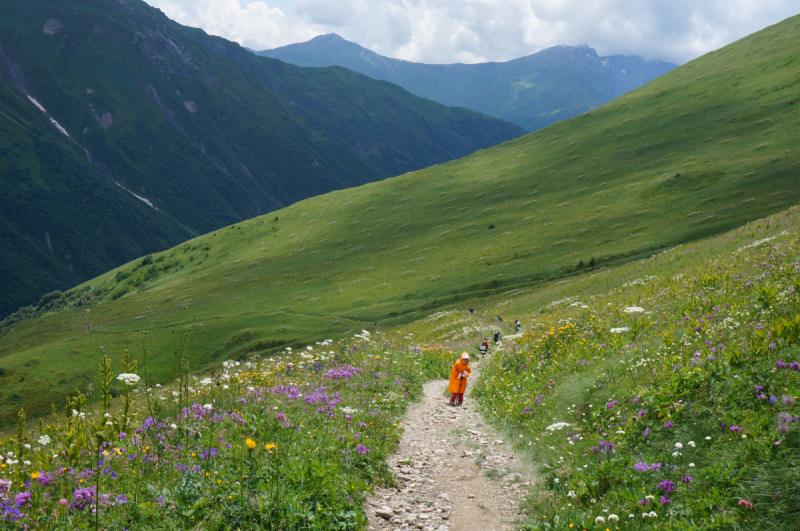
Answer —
599 520
361 449
668 425
691 443
633 309
44 440
652 514
783 423
620 330
121 499
128 379
251 444
613 518
735 428
678 446
686 479
787 400
208 407
691 465
708 437
746 503
271 446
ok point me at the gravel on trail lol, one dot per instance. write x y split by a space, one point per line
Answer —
453 472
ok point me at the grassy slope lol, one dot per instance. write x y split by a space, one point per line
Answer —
600 185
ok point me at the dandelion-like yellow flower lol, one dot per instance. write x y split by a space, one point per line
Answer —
35 475
251 444
271 446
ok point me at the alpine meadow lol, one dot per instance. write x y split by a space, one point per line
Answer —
650 247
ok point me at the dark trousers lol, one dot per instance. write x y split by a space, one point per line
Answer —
459 396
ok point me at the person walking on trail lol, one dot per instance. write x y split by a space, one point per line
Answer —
484 348
496 337
516 325
472 310
458 380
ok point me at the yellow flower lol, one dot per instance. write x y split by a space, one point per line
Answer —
271 446
35 475
251 444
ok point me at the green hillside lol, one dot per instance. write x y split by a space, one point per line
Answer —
702 149
532 91
207 132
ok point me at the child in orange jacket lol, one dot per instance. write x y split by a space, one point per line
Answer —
458 380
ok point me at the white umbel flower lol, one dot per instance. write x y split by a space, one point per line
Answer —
128 379
44 440
599 520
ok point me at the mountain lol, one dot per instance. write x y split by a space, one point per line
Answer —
533 91
103 99
703 149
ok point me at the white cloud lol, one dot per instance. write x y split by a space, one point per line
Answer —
446 31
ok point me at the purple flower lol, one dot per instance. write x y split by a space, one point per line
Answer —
361 449
668 425
643 502
686 479
664 500
122 435
646 432
121 499
667 485
735 428
779 364
23 499
773 399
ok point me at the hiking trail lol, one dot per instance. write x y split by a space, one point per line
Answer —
454 473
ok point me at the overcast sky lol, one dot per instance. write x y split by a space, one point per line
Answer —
470 31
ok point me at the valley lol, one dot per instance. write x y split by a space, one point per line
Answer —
288 371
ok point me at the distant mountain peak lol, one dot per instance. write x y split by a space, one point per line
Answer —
531 91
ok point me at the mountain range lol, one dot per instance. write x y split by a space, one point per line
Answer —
124 133
532 91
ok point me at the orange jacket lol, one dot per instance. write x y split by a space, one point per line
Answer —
458 385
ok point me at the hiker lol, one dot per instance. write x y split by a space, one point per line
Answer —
458 380
472 310
496 337
499 318
484 348
516 325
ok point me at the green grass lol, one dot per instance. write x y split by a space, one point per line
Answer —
601 189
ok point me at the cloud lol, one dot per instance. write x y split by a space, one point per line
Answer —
447 31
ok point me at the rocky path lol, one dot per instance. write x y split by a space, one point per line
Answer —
453 473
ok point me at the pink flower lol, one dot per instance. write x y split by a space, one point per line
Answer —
63 502
746 503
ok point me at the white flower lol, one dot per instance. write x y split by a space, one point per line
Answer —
109 423
206 381
556 480
679 446
208 407
691 465
652 514
649 498
620 330
173 426
128 378
174 393
633 309
631 516
225 387
691 443
621 431
27 446
44 440
599 520
708 438
644 515
744 436
571 494
558 426
613 518
107 415
676 454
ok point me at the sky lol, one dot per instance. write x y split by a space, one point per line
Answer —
473 31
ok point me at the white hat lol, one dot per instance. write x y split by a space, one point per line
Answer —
464 355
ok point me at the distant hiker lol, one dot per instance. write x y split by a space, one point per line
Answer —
472 310
499 318
484 348
496 337
458 380
516 325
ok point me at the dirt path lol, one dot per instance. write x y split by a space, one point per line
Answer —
454 474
